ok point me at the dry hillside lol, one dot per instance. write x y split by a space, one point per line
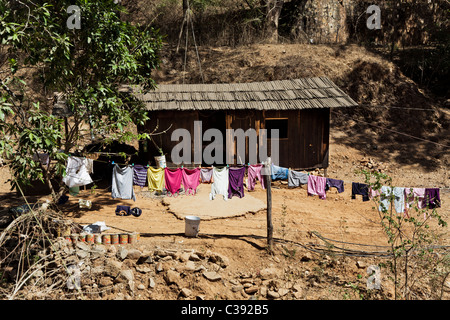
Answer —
387 98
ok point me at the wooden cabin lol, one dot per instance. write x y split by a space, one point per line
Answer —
299 108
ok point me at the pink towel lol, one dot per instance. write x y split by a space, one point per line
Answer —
316 186
172 179
373 193
191 180
254 172
416 193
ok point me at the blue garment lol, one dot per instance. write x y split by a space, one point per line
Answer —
362 189
279 173
123 210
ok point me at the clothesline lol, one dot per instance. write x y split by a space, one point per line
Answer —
202 167
286 173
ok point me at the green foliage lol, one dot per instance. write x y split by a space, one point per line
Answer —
88 65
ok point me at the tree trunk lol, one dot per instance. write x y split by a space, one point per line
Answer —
185 6
273 11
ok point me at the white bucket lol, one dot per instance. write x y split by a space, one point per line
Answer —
191 227
160 161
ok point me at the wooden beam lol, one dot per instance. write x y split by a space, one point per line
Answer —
268 178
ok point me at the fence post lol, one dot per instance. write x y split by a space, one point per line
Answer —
268 179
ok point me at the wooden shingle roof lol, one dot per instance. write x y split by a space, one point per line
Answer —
307 93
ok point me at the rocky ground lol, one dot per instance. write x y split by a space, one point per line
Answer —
133 272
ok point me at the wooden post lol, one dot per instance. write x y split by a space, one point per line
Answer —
268 179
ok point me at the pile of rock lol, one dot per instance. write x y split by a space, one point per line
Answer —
125 272
131 272
373 165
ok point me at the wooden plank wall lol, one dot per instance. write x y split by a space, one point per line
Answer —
307 144
178 119
306 147
313 142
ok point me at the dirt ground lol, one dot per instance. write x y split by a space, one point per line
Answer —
242 239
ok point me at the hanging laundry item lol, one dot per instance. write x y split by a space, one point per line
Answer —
361 189
191 180
399 200
432 198
413 194
279 173
139 175
172 179
254 172
334 183
373 193
397 194
155 179
206 175
316 186
122 183
220 183
77 173
236 182
297 178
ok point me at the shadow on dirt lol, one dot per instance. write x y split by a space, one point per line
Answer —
395 120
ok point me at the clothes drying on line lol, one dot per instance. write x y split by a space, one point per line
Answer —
139 175
220 183
297 178
122 183
172 179
279 173
335 183
254 173
77 172
206 175
191 180
236 182
360 189
316 186
155 179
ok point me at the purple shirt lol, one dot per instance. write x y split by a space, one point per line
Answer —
432 198
236 182
338 184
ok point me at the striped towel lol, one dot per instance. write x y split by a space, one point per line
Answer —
139 175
